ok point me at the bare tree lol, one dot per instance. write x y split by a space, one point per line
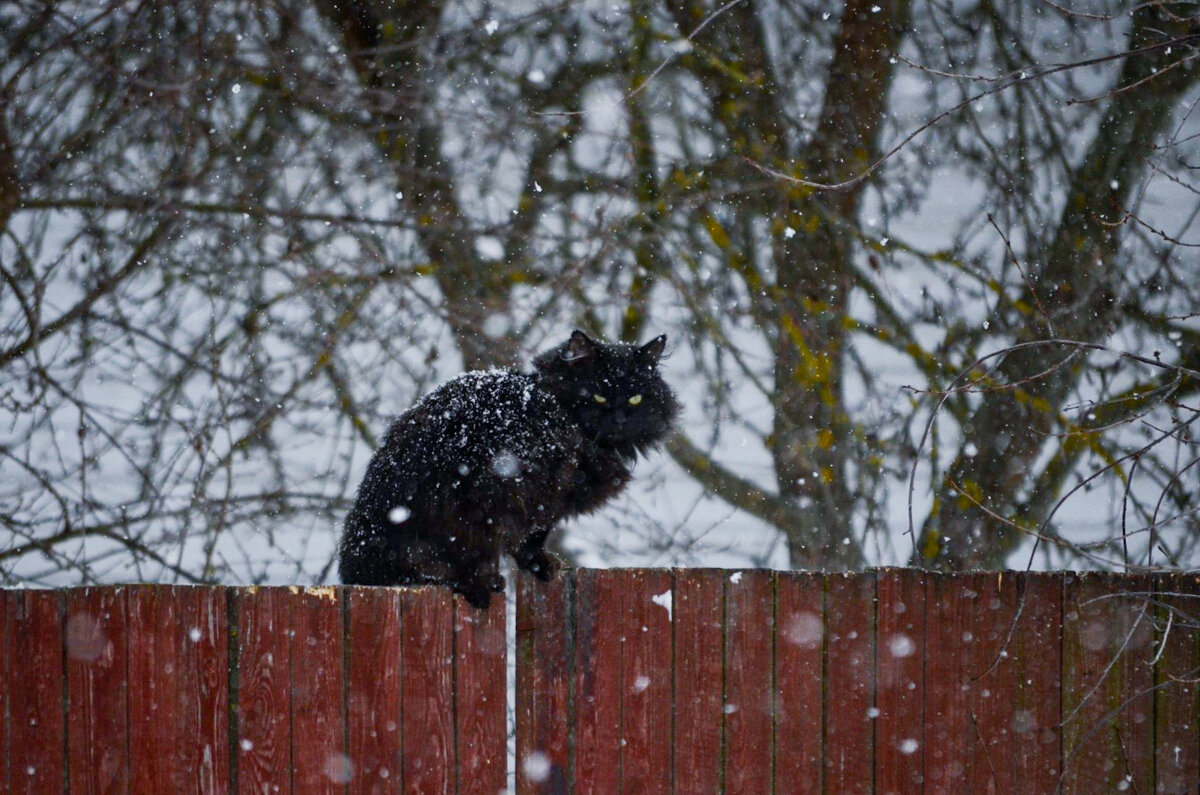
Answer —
1082 282
889 240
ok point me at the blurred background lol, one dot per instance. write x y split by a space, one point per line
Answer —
929 271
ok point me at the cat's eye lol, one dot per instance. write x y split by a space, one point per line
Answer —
600 399
636 399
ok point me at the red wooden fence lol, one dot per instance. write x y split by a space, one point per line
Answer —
157 689
694 681
682 681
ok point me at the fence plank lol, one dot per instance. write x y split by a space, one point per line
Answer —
598 639
749 686
264 661
646 676
545 644
1177 700
178 689
97 689
374 679
799 661
1108 684
36 730
210 658
479 693
319 760
947 611
157 762
697 604
900 681
990 683
7 672
427 659
1036 651
849 683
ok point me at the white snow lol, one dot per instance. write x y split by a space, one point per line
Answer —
804 630
339 768
663 600
901 645
506 465
536 766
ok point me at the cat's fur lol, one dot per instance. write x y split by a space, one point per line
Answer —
492 461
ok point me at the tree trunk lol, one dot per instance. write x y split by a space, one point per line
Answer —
979 514
384 41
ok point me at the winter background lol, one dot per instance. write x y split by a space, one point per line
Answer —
238 237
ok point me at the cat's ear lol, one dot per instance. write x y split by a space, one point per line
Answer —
652 351
579 347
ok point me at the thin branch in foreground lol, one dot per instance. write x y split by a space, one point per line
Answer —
1025 75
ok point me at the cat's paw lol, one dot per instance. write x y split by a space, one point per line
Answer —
476 594
542 564
478 590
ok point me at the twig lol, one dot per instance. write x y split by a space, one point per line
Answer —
650 77
1015 78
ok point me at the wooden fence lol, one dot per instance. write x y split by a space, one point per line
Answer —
630 681
157 689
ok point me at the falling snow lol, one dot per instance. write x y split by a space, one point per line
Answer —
536 766
901 645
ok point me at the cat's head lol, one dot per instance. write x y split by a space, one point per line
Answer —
614 391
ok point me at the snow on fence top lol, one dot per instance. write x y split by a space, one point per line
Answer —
634 680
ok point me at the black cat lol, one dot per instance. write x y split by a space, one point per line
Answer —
492 461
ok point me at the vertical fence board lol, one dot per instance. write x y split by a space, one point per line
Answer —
178 689
97 690
157 759
319 760
7 671
749 702
209 663
1036 650
374 677
36 730
1177 699
697 603
900 681
598 639
427 658
545 641
646 674
264 721
947 611
990 683
849 683
799 660
479 693
1108 682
